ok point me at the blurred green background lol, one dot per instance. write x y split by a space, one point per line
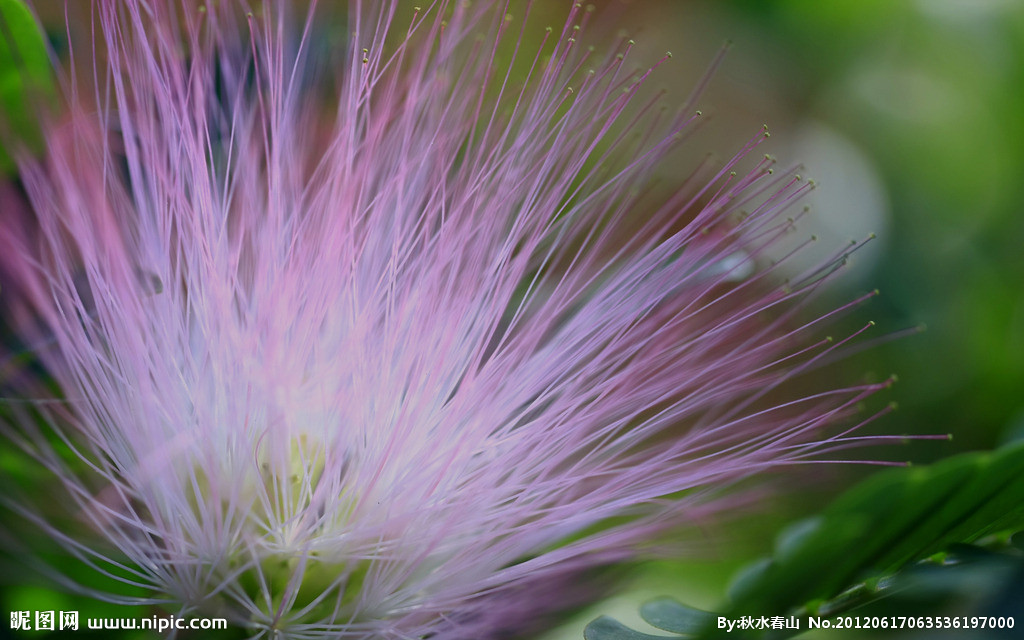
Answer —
910 114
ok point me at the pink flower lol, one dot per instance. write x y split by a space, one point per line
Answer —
402 348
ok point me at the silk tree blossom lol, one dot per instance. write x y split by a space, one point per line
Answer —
403 348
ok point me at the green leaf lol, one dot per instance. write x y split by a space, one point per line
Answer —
26 78
871 542
605 628
887 522
669 615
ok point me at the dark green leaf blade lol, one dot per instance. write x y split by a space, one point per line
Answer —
605 628
670 615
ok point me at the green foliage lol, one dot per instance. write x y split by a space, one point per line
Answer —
883 532
25 77
663 613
